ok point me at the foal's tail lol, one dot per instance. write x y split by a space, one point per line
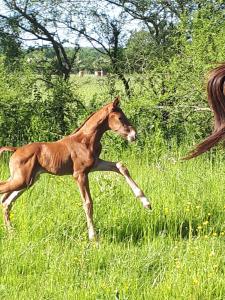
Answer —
216 99
7 148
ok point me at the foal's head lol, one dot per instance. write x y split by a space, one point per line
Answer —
118 122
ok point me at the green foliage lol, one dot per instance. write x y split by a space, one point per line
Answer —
34 111
173 85
10 45
166 79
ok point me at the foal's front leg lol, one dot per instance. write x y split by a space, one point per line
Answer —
102 165
83 183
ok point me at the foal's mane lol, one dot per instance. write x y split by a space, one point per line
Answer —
77 129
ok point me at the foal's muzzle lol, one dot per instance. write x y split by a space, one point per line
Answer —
131 137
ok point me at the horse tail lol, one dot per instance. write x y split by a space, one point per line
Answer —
216 99
207 144
7 148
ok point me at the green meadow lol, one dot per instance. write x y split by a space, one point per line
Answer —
175 251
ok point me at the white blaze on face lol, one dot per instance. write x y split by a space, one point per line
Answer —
131 136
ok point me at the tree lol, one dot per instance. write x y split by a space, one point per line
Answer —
107 33
158 17
10 45
37 21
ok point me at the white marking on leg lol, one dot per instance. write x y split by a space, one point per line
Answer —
88 207
119 168
145 202
7 204
12 197
136 190
91 233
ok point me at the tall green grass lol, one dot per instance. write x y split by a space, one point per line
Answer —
174 252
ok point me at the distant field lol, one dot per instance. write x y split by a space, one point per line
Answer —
90 87
174 252
98 88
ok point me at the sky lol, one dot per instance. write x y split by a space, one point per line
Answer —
132 25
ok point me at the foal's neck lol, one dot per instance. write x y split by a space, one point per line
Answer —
93 129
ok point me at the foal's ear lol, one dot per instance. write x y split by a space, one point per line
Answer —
116 102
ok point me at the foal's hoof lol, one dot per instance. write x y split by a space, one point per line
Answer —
145 202
148 206
94 242
92 236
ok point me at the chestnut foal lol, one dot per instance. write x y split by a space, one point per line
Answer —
76 154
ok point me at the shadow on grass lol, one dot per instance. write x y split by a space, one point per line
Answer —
132 230
125 230
135 232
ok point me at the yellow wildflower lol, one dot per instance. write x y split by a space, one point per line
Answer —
166 210
212 253
195 281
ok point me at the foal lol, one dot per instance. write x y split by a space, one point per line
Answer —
76 155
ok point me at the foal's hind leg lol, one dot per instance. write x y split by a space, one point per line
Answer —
7 201
122 170
12 185
22 175
17 188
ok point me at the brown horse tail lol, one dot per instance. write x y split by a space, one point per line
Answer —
216 99
207 144
7 148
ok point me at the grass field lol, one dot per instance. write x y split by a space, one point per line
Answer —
174 252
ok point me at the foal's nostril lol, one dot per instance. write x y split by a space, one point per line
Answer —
131 136
134 137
